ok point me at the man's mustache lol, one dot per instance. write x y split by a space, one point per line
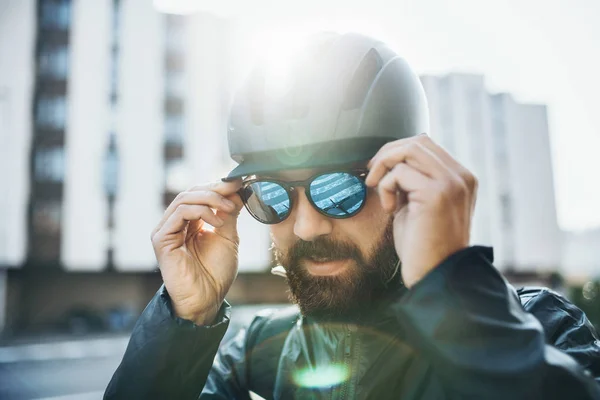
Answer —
322 248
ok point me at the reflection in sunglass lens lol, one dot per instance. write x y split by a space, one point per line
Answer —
267 201
338 194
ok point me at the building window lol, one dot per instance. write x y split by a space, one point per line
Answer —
51 112
114 79
177 176
114 60
111 168
499 131
175 84
116 20
446 113
175 33
54 62
46 217
474 101
506 209
55 14
50 164
174 129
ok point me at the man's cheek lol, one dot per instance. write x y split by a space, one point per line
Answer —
281 240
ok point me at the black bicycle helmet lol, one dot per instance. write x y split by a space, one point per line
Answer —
346 97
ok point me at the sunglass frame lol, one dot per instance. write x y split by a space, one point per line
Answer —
290 188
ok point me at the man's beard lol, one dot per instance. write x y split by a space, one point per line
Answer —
364 281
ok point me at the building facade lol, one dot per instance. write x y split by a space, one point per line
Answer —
107 110
526 204
17 41
507 145
129 108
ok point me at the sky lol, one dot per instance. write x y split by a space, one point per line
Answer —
540 51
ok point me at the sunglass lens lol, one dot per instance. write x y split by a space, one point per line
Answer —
268 202
338 194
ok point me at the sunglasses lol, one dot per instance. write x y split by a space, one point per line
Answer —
337 194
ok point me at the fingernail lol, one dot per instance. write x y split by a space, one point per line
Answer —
368 180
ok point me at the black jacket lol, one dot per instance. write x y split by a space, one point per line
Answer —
460 333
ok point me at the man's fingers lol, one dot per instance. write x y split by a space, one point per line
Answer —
185 213
439 151
201 196
223 188
412 153
395 143
456 168
229 228
195 226
401 177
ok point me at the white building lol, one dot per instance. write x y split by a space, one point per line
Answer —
130 107
108 108
460 122
17 39
527 203
506 145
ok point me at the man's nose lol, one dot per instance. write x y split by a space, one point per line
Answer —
309 224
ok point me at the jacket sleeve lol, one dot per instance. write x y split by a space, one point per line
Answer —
167 357
470 323
227 377
566 327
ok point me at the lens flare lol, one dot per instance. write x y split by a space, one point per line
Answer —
322 376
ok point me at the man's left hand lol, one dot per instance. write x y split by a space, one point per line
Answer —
432 197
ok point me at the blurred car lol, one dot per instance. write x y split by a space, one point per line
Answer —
121 319
82 320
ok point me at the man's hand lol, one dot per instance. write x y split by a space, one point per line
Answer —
432 197
198 265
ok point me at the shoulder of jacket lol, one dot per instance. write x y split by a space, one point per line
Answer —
527 293
534 296
558 316
271 322
278 316
542 299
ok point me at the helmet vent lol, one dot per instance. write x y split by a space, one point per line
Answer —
298 98
256 98
361 81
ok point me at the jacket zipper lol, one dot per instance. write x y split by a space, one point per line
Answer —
348 343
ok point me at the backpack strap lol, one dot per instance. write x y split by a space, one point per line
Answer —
265 340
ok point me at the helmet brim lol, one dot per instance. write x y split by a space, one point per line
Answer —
327 155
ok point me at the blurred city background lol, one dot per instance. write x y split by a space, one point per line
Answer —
109 108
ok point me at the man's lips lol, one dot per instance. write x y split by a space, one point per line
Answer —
326 267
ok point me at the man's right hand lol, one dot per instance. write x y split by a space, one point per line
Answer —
198 266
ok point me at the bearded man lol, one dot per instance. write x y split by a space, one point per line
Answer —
370 220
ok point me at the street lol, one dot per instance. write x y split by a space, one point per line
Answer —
59 367
87 378
74 369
